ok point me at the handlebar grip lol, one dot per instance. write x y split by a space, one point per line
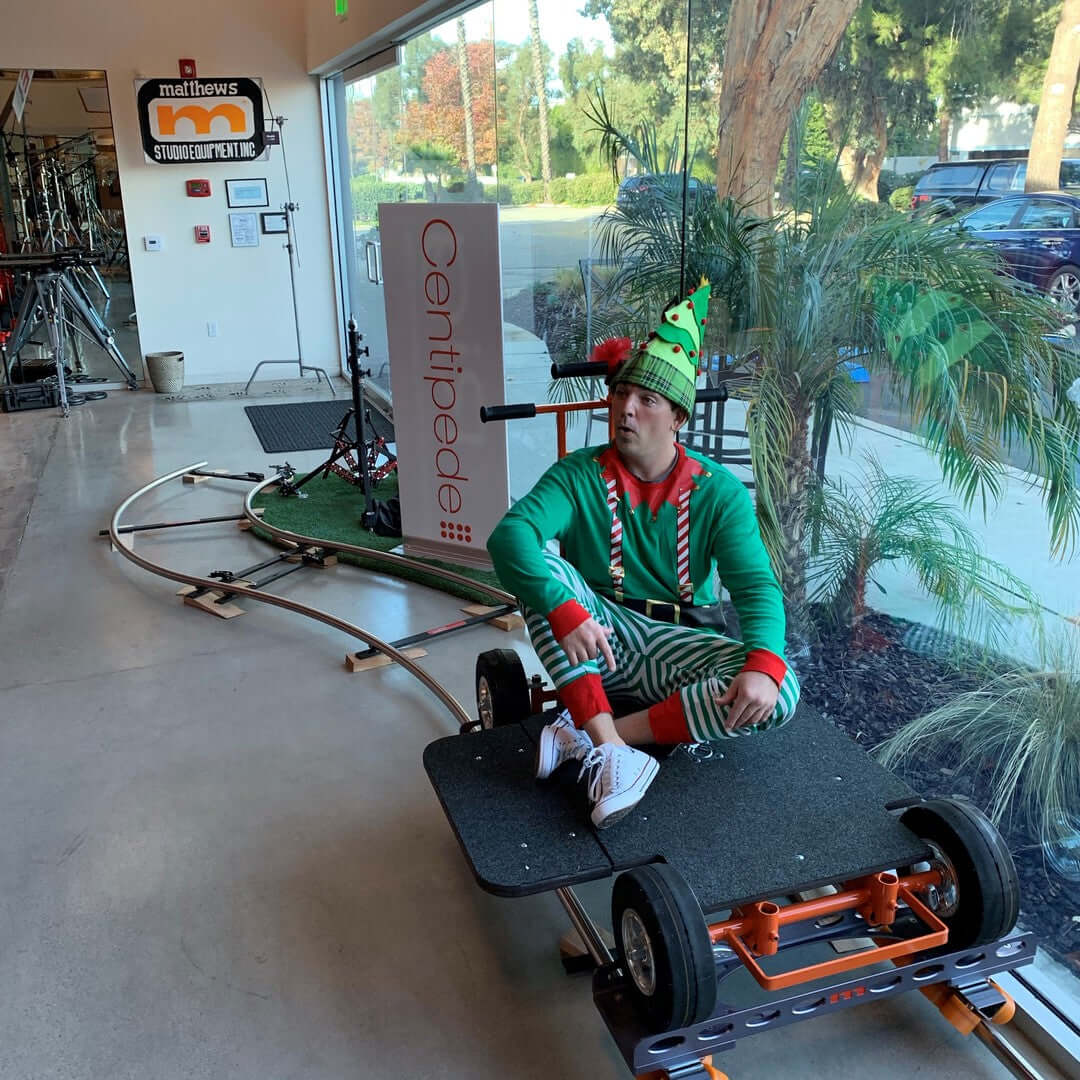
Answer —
579 368
522 411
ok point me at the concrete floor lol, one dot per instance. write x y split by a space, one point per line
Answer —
220 856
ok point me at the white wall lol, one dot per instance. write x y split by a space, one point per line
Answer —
332 41
244 290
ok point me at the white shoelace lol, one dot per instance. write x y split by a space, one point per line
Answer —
595 760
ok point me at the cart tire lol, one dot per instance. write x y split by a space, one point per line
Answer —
987 892
663 946
502 690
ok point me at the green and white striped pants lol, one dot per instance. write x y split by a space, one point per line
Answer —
654 660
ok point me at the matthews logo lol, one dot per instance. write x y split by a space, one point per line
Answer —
184 120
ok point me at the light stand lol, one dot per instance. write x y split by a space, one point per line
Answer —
290 208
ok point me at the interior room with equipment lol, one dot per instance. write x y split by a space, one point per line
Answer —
63 214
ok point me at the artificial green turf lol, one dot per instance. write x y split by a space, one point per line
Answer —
332 512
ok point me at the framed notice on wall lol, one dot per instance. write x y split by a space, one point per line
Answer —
244 230
444 332
186 121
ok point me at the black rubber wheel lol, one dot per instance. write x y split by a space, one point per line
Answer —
663 947
502 690
979 900
1064 288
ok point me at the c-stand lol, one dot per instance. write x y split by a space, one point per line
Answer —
361 457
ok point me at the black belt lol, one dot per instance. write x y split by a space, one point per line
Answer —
661 610
699 617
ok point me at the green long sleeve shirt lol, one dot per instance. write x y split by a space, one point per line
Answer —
569 504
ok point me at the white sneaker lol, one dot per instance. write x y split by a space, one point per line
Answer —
618 778
559 742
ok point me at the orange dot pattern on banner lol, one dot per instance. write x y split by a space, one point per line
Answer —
456 530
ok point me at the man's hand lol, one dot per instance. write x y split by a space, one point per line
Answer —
751 697
589 641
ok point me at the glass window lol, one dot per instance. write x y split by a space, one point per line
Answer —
997 215
953 176
1046 214
1070 174
1003 178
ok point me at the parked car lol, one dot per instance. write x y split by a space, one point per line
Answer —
971 183
1038 236
639 191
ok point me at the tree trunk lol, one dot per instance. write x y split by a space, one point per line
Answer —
944 120
1055 105
792 505
466 100
540 77
775 51
870 167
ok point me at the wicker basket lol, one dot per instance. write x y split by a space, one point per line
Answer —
166 371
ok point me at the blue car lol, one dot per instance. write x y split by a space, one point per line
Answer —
1038 236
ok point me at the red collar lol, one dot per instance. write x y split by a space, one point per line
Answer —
654 494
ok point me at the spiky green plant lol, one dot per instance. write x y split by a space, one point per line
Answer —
1023 726
960 344
860 526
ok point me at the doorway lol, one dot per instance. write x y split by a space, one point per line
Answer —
62 217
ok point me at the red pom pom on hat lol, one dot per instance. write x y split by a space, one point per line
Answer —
611 353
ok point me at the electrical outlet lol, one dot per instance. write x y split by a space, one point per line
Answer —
211 329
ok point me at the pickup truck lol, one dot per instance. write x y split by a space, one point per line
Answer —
969 183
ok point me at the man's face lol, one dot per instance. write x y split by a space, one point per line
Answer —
645 421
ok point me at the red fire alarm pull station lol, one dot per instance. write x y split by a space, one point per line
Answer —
202 234
198 189
187 69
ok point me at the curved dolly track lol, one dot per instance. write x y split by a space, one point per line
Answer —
388 558
317 614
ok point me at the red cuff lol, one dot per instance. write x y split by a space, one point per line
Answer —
566 617
768 663
668 721
585 698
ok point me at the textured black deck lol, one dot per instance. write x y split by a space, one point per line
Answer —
734 825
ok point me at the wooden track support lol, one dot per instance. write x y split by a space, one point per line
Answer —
244 523
205 601
354 664
500 622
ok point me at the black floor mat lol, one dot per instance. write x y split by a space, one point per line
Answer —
308 425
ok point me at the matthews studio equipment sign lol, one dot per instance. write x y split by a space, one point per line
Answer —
444 333
200 120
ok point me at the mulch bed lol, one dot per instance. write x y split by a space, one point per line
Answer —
872 690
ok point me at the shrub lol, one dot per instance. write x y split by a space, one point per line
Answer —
368 191
900 199
1023 728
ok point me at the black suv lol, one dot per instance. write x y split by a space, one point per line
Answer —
969 183
638 191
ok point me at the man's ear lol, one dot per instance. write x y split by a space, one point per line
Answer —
681 417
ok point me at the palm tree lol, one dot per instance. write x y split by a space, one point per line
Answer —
881 519
961 345
540 79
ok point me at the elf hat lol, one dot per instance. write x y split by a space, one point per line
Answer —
668 361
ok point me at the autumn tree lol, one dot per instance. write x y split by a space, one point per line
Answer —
1055 105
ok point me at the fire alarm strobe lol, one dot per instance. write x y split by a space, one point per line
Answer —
198 189
202 234
187 68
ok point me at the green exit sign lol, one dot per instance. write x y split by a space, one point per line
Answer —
341 8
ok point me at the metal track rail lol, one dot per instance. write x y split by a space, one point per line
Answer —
115 531
387 558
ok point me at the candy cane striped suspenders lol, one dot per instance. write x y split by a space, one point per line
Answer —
682 543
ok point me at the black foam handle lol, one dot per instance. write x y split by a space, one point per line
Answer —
579 368
524 411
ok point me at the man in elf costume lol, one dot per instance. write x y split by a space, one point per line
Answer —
630 609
